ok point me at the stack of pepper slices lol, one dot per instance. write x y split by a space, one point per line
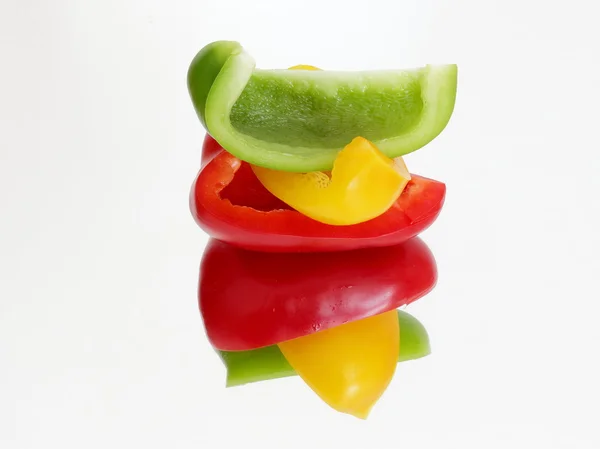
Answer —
313 218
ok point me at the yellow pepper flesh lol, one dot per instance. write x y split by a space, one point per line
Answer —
348 366
364 184
304 67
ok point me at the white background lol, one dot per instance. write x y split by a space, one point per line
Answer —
101 343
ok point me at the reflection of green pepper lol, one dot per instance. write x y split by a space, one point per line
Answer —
269 363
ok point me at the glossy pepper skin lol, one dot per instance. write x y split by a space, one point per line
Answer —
231 205
253 299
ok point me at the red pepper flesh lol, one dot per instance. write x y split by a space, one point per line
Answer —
253 299
230 204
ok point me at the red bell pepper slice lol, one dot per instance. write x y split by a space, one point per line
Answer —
230 204
253 299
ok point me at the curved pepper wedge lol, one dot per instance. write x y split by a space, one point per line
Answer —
297 120
230 204
363 184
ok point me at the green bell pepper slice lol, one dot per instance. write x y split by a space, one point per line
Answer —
298 120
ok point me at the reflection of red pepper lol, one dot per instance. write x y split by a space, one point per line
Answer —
250 299
230 204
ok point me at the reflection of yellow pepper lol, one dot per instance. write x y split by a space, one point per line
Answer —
348 366
364 184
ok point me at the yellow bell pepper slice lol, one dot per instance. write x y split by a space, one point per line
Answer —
304 67
364 184
348 366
